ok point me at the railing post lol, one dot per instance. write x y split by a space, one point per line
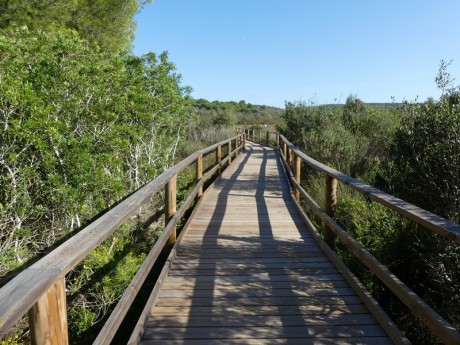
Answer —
268 137
288 156
219 157
229 151
330 206
260 137
297 165
199 175
244 142
170 208
48 317
285 150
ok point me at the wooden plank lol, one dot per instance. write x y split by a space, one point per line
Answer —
256 301
226 285
267 292
324 309
178 265
252 272
262 277
311 253
262 320
263 332
252 249
275 341
257 261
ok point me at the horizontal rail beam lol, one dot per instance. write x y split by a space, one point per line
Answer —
441 226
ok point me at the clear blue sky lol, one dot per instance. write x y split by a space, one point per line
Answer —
268 52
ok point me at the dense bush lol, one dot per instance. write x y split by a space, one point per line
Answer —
80 129
352 139
426 156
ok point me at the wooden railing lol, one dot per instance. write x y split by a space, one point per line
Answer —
268 138
40 289
292 158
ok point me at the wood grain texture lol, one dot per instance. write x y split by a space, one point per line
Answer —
330 203
199 174
48 317
247 270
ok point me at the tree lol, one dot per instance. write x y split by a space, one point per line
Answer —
426 153
79 130
353 108
110 24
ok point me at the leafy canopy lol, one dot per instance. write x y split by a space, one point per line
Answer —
110 24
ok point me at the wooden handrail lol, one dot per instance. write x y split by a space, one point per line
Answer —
444 227
22 293
441 226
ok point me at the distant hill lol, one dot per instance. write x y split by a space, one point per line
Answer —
241 112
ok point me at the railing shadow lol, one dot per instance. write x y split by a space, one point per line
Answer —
210 239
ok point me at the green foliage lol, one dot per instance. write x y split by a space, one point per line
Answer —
354 139
12 341
110 24
426 157
423 170
80 129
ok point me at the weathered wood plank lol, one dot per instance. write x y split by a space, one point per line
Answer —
261 277
208 266
313 285
262 320
256 301
275 341
252 272
255 261
325 309
243 293
263 332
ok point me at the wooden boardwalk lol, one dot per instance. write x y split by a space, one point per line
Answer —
248 271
